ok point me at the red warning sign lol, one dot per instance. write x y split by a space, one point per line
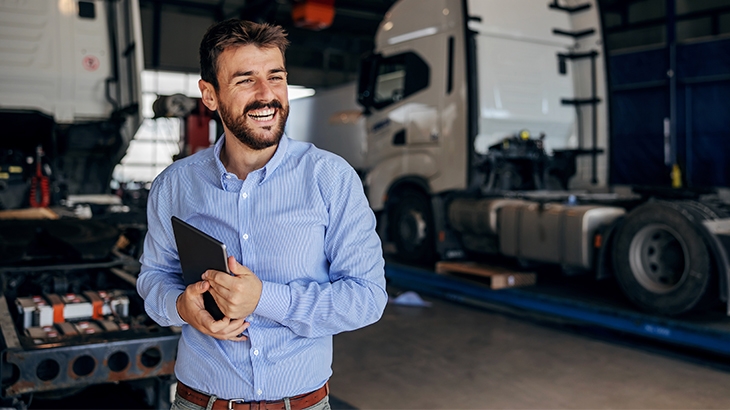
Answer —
90 63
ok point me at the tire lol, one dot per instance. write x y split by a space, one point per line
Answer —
411 227
661 260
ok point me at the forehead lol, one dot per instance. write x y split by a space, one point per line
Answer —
249 58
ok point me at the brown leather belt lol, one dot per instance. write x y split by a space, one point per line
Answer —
297 402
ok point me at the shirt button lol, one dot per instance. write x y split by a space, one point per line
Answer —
256 352
259 392
244 195
245 236
228 176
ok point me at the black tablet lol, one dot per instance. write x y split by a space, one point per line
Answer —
199 252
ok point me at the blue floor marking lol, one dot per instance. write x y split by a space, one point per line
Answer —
664 329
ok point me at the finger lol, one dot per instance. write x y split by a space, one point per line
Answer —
206 317
219 294
218 278
193 295
209 275
229 329
237 331
240 337
219 327
199 287
203 286
229 302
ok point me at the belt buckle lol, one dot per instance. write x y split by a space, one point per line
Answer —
231 402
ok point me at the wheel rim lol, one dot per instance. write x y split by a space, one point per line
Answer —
659 258
412 229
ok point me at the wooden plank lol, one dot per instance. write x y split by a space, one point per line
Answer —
28 213
472 268
499 277
513 280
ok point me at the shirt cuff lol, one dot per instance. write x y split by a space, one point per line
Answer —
274 302
171 308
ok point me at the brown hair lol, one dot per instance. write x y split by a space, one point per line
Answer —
234 32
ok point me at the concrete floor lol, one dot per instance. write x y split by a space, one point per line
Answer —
451 356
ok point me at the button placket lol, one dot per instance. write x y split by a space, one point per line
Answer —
245 207
256 353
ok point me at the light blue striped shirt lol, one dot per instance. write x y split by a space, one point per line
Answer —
302 224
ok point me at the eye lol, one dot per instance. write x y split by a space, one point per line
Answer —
244 81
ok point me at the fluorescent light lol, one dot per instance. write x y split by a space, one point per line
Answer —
297 91
67 7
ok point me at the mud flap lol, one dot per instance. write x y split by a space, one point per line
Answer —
717 233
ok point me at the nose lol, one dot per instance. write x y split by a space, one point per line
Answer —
264 91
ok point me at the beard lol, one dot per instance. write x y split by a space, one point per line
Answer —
246 134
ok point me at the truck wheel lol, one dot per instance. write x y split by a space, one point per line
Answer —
411 227
661 260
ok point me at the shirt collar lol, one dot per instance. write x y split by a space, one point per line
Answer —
217 156
267 170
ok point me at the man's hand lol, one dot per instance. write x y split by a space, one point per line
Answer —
237 295
191 308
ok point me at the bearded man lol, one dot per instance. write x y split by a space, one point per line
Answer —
305 260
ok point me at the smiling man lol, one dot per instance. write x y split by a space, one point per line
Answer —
305 260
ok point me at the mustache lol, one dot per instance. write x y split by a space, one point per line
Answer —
257 105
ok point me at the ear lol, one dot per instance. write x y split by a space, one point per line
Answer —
209 96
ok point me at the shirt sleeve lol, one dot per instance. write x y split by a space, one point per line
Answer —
160 281
355 295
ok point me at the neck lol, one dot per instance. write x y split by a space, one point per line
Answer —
241 159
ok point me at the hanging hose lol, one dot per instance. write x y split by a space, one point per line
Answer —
40 186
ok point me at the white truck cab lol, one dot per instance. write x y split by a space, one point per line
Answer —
70 88
450 77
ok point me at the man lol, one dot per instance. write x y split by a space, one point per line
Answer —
306 262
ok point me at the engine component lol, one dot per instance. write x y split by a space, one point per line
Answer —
77 319
45 310
40 185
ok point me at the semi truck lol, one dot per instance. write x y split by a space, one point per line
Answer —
491 129
70 317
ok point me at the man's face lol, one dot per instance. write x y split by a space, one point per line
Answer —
252 99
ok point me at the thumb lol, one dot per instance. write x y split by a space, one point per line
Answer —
235 267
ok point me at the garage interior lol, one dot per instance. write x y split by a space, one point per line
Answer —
521 327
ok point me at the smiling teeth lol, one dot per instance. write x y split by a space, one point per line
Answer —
263 115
